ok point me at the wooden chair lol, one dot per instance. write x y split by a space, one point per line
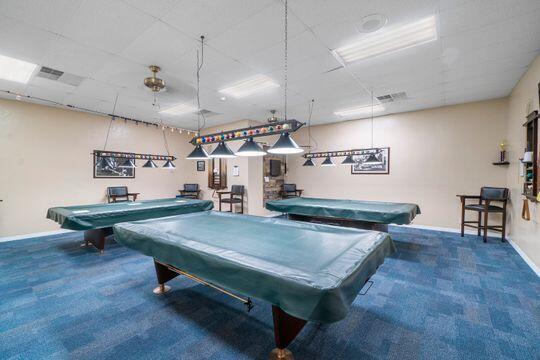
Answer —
119 194
289 191
487 196
236 197
191 191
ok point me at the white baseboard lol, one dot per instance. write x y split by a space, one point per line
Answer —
447 229
34 235
524 256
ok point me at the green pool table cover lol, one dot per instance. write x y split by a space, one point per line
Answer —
86 217
370 211
311 271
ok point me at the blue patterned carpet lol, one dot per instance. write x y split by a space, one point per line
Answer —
439 297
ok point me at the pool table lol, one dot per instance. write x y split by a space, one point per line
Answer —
97 219
370 215
307 272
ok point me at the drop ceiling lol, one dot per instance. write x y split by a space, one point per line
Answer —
483 48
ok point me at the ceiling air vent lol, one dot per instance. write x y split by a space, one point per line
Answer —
60 76
392 97
49 73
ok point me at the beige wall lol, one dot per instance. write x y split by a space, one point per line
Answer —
526 234
248 174
46 161
434 155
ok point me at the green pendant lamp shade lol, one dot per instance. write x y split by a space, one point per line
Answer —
328 162
250 148
285 145
348 161
169 165
222 151
308 162
150 164
199 153
127 164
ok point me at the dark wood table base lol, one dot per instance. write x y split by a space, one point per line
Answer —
97 237
365 225
286 326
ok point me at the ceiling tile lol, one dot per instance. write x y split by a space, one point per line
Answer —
47 15
156 8
110 25
210 17
23 42
69 56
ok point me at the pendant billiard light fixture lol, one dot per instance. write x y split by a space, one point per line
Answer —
308 162
222 151
128 164
199 153
285 144
372 159
328 162
103 162
168 165
250 148
150 164
348 161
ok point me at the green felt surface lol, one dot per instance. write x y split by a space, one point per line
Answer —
311 271
370 211
86 217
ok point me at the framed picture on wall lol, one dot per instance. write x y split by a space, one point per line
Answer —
371 161
200 165
111 169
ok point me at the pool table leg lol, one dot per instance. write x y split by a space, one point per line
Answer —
97 237
286 327
163 274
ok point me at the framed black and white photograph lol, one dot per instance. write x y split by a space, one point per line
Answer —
110 168
200 165
371 161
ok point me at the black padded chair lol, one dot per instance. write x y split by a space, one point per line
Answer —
119 194
191 191
488 195
289 191
236 197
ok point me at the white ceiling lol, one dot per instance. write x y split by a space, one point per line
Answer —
483 49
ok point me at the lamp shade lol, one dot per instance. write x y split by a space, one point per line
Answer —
127 164
150 164
348 161
285 145
199 153
372 160
250 148
328 162
308 162
168 165
222 151
103 162
528 156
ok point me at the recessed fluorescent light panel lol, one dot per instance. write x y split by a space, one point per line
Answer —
16 70
387 41
249 86
359 111
179 109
